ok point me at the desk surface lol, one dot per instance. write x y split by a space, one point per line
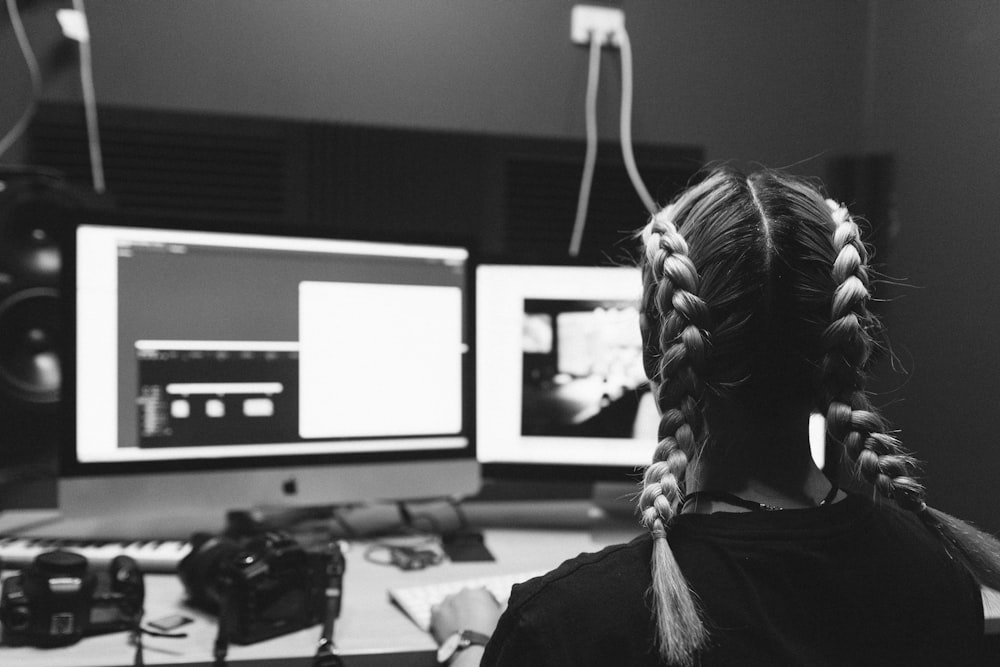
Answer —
370 631
369 624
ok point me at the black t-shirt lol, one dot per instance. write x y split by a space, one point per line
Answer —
851 583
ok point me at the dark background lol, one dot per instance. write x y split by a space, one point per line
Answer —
783 83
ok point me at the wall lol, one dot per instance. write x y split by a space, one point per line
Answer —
937 83
780 82
716 74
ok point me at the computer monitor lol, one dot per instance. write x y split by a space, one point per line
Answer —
215 368
560 387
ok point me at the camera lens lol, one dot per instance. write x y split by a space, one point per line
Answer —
201 570
61 564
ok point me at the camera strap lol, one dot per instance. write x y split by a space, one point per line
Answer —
221 647
325 657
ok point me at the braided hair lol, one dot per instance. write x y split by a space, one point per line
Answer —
672 302
754 309
851 419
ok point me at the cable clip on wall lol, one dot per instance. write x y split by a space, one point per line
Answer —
599 27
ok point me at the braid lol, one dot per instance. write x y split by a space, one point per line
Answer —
672 303
878 456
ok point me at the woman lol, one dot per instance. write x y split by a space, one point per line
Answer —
755 316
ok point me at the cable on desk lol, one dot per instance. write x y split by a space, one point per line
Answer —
416 553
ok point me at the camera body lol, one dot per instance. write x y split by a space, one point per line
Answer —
58 599
260 587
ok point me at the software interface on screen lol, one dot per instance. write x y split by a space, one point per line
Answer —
559 367
207 345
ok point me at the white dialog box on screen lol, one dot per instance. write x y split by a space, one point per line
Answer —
379 360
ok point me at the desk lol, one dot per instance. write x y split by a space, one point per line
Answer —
371 632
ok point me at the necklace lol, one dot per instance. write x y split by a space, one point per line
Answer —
732 499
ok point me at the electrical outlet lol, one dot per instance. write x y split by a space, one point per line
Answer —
604 23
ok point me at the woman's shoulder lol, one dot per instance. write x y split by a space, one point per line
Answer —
591 610
612 572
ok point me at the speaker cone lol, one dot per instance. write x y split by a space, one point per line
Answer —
29 350
29 218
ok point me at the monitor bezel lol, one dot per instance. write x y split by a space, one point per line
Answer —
69 464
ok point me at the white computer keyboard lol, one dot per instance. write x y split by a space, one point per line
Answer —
417 601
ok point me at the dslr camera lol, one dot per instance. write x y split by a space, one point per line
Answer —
260 586
58 599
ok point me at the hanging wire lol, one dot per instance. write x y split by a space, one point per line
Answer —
626 125
90 104
19 128
583 200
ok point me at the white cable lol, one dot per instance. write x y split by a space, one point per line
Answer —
90 107
36 79
583 200
626 125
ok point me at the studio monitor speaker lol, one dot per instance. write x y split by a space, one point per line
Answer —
35 208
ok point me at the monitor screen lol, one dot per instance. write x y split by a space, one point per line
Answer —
270 366
559 376
560 386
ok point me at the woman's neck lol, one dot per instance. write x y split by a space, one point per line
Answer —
775 469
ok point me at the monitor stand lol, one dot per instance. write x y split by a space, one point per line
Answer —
176 505
605 509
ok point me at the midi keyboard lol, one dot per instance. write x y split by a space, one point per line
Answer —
154 556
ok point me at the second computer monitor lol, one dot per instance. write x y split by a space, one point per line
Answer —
559 375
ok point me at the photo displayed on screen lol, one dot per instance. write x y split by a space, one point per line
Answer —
582 368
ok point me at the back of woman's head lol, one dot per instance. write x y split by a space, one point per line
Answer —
761 255
754 312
